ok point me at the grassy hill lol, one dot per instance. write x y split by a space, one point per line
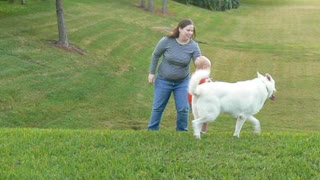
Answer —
104 94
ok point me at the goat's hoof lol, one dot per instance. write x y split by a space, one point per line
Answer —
197 137
257 132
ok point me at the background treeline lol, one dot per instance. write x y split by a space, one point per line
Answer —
214 5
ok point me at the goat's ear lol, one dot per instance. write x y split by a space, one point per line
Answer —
259 75
268 76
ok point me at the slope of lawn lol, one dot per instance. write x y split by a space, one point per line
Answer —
69 116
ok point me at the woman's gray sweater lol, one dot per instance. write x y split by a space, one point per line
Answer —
176 58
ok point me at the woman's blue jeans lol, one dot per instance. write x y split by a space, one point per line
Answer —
163 91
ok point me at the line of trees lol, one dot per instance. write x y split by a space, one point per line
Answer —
151 7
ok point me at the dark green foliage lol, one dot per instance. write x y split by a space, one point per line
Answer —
216 5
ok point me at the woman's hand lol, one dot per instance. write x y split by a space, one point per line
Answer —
151 78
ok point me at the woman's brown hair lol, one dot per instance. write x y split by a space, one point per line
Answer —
182 24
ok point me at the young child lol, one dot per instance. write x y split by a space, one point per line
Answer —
201 62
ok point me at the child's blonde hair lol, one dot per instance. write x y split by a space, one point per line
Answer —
202 62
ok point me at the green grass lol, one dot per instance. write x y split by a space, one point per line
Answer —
45 87
64 115
83 154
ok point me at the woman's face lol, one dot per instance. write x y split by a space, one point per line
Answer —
186 32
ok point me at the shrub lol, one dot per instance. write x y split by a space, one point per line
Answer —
216 5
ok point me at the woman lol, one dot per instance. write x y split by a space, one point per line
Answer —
173 74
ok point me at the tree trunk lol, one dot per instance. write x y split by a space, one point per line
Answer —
63 39
151 6
143 3
23 2
164 6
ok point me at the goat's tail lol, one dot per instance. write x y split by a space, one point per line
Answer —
195 80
